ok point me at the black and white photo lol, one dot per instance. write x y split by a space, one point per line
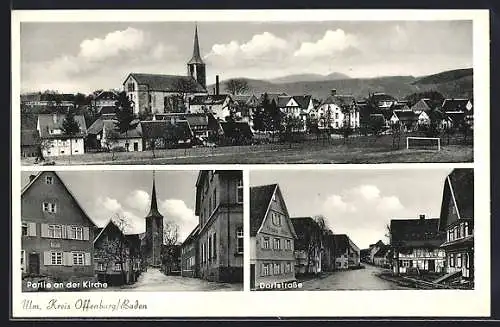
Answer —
132 231
240 92
362 230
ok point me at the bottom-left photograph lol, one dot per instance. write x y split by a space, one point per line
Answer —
132 230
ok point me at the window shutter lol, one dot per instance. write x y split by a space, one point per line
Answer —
88 259
46 258
31 229
45 230
86 233
64 231
67 259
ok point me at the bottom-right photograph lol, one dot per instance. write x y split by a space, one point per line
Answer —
361 229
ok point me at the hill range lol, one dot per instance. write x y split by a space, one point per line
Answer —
452 84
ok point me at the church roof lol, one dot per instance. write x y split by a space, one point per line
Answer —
168 83
153 211
196 59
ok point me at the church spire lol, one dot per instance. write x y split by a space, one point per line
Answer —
153 211
196 59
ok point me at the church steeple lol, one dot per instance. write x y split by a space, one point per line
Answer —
196 59
153 211
196 66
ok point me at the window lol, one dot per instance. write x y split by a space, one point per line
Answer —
23 260
130 87
288 244
209 247
450 235
288 267
277 269
265 269
24 229
49 207
239 236
452 260
466 227
459 260
215 198
117 267
56 258
274 197
101 266
276 218
214 240
49 180
75 233
462 230
265 243
239 193
55 231
78 259
277 244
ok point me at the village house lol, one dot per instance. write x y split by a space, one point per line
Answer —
272 238
457 222
407 119
165 134
103 133
244 107
57 235
364 255
383 257
56 100
219 240
416 245
308 246
373 248
347 254
382 101
30 143
218 105
423 105
104 99
54 141
117 255
338 111
235 133
158 93
190 255
202 125
459 110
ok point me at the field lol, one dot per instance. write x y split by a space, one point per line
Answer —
361 149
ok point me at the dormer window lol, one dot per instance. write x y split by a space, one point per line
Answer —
55 131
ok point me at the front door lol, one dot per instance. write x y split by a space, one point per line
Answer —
136 146
252 276
34 264
432 267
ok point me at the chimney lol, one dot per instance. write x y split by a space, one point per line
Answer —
216 84
422 217
333 92
32 177
213 90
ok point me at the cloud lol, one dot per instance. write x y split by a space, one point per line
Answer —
178 212
368 192
138 199
336 202
389 203
112 44
260 46
109 204
330 44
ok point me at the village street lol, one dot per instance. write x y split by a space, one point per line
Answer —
154 280
360 279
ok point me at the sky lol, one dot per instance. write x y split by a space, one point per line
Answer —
85 56
359 203
104 194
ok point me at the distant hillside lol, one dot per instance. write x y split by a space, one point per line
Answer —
456 83
308 78
445 77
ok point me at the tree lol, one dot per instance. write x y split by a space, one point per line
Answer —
397 131
70 128
435 98
43 145
376 125
170 255
346 129
124 114
237 86
112 137
116 249
183 86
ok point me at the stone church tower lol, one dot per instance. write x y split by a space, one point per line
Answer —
154 232
196 66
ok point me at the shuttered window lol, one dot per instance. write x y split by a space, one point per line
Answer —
78 258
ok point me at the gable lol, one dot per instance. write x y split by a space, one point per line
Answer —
68 210
277 207
292 103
